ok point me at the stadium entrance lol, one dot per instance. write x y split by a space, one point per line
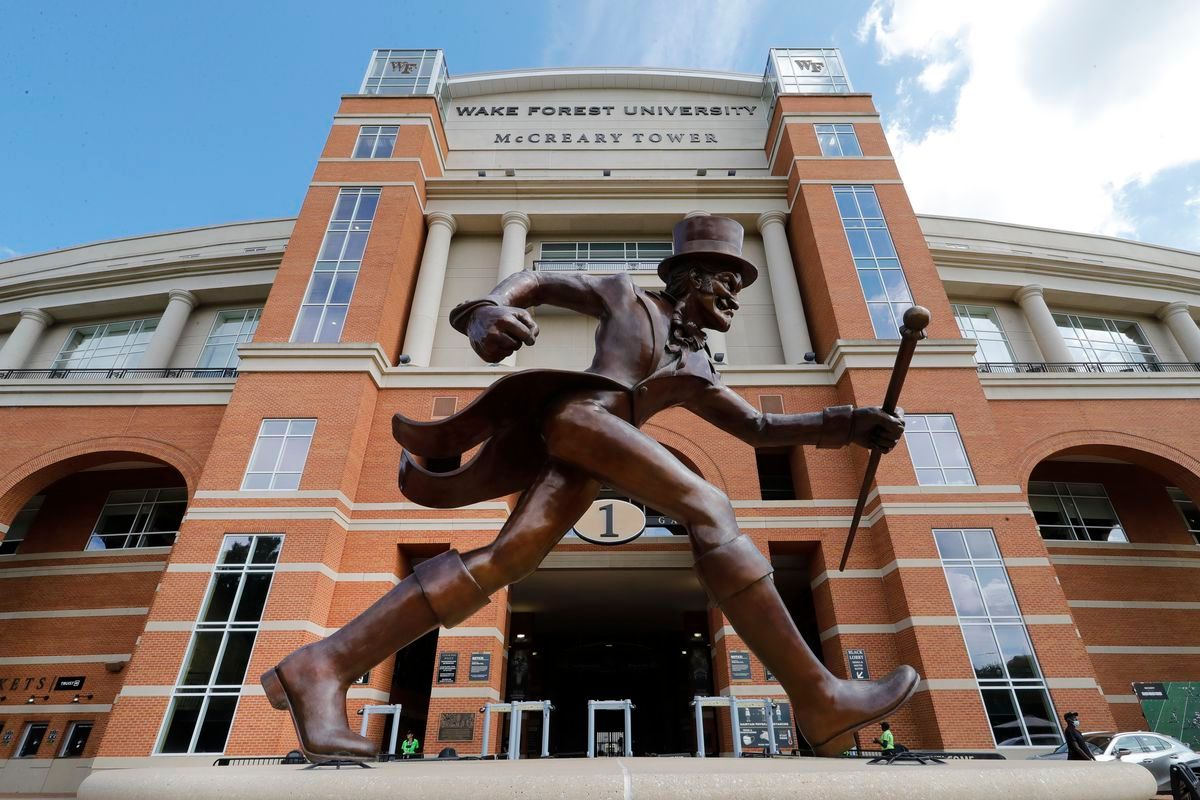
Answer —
610 634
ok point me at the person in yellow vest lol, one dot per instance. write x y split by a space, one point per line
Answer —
410 746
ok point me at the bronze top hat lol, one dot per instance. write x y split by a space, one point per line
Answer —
713 240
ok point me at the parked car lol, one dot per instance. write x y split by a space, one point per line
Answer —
1154 751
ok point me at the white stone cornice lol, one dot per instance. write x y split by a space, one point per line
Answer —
768 217
1090 386
513 218
117 392
881 354
182 296
38 316
442 218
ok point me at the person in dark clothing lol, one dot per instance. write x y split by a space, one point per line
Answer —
1077 748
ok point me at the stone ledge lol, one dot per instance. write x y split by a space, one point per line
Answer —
635 779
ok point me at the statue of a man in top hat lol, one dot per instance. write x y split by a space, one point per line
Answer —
557 436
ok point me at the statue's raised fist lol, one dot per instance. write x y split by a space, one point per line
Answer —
496 332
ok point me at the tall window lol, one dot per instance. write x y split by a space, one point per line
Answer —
775 475
1006 668
838 140
21 524
327 299
982 324
879 270
139 518
1187 509
937 451
279 454
111 345
376 141
229 329
602 255
206 693
31 739
1118 344
1074 511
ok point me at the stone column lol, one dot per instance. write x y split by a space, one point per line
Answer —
427 299
24 338
1183 328
512 254
1041 322
789 311
512 247
170 327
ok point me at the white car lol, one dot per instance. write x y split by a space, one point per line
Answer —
1154 751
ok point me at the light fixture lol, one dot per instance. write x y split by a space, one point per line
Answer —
404 358
608 645
607 173
534 652
697 635
510 172
30 701
520 636
482 173
701 172
52 736
732 172
683 652
75 699
810 357
719 358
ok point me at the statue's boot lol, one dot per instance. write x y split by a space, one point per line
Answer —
827 709
311 683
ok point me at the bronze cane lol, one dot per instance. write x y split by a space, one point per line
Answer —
912 331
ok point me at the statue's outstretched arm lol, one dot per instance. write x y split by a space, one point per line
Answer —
836 426
498 324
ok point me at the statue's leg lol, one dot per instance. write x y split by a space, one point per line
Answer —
733 571
311 683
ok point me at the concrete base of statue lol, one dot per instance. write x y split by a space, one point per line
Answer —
636 778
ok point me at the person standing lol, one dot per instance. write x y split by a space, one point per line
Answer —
1077 748
410 745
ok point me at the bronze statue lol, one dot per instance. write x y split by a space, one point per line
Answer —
557 436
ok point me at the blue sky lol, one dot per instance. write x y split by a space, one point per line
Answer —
119 118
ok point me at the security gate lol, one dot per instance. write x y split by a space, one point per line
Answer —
367 711
514 711
609 705
733 704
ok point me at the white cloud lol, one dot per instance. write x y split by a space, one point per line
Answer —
651 32
1061 107
7 252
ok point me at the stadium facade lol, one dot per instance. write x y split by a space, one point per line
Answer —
198 474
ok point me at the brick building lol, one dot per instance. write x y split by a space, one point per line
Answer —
198 473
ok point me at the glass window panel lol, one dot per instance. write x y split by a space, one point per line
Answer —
254 597
295 452
365 211
214 730
1002 717
916 422
869 203
897 287
959 477
31 741
77 739
848 142
920 447
965 592
236 549
950 544
846 205
872 284
343 288
1017 651
1038 716
985 655
344 209
362 148
996 352
882 322
301 427
266 551
185 711
166 517
205 646
255 481
385 146
881 242
356 243
334 242
981 544
266 454
859 245
221 596
318 287
306 324
829 144
949 449
941 422
929 477
286 481
331 325
238 645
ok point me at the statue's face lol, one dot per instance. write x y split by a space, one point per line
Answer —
716 303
